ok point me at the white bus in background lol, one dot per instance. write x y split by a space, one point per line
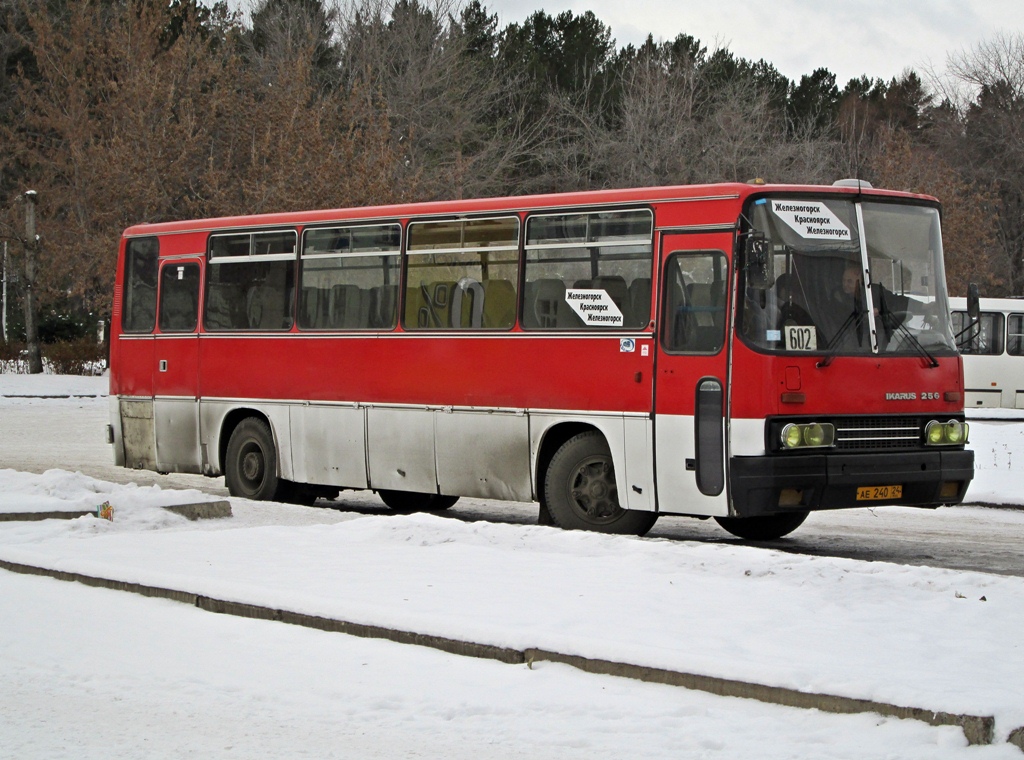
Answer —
993 352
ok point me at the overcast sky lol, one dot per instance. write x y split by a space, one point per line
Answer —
879 38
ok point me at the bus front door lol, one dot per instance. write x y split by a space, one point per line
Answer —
692 365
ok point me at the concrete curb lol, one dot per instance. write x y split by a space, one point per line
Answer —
200 510
53 395
978 729
31 516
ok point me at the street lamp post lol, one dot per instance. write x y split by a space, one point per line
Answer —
34 357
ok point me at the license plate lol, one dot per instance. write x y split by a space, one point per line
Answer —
878 493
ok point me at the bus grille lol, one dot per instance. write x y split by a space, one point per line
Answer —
878 432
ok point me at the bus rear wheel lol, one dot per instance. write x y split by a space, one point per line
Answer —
250 469
407 502
581 493
764 528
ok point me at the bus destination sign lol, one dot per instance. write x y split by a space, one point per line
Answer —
595 307
812 220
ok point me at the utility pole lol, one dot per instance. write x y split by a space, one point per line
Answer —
4 319
35 359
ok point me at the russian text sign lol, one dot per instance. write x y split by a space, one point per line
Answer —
595 307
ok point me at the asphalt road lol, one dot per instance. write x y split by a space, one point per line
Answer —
40 434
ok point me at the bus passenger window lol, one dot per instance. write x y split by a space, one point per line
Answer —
349 277
462 274
1015 335
179 297
250 281
139 309
588 270
694 303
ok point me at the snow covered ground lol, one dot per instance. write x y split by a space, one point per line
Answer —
95 673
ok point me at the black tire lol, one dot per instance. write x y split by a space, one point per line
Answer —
296 493
580 490
250 468
765 528
407 502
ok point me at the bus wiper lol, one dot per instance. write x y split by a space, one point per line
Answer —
856 319
894 325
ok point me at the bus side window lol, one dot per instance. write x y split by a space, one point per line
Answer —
179 297
985 338
694 303
1015 335
140 276
250 281
608 253
349 276
462 274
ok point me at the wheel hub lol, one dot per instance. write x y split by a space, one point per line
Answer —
252 466
594 493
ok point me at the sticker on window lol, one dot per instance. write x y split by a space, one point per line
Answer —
814 221
801 338
595 307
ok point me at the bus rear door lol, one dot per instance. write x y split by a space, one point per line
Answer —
175 377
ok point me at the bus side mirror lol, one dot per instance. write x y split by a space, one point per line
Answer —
758 261
973 304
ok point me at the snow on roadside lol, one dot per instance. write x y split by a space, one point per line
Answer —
919 636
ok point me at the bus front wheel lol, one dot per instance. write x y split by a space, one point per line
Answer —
763 528
581 493
251 465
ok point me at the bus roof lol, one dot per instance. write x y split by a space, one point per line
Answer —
721 191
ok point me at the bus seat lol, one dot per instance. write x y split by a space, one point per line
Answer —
499 303
547 306
640 300
264 307
380 303
310 306
222 306
466 303
345 306
427 305
615 286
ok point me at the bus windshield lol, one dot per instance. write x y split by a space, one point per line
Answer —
847 278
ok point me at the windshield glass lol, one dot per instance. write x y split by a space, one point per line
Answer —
834 293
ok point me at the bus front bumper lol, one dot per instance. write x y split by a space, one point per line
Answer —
773 484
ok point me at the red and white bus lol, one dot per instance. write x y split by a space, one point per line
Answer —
748 352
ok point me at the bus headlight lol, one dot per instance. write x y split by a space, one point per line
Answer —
952 433
935 433
814 435
956 432
811 435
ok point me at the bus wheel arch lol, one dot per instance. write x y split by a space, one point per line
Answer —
577 484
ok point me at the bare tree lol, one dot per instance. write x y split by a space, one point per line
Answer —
678 122
121 124
983 92
462 129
